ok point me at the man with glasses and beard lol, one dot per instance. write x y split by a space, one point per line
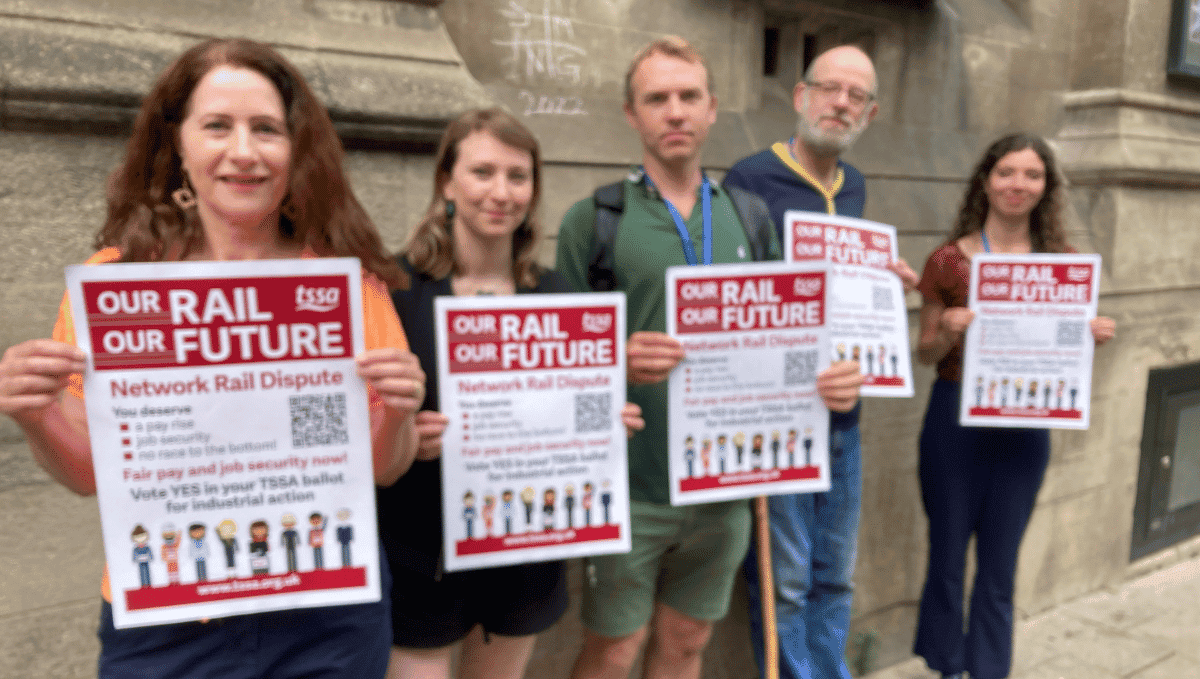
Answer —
814 536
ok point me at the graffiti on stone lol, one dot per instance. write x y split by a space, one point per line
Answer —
541 49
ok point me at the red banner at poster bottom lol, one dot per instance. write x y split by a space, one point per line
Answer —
744 478
1031 413
881 381
549 538
239 588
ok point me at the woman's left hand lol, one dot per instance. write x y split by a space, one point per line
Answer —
908 277
1103 329
631 416
396 375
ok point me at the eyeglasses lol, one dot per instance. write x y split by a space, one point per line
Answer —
857 96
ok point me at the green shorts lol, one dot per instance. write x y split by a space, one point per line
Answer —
685 557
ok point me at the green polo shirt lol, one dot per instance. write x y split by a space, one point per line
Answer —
646 244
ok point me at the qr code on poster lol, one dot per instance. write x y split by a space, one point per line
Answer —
1070 333
881 298
318 420
799 367
593 412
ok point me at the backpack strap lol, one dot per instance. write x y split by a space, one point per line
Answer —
756 220
609 202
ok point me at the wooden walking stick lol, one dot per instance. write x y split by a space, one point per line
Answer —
766 587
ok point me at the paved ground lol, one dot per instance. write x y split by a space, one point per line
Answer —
1147 629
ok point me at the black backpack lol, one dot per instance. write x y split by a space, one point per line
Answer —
610 204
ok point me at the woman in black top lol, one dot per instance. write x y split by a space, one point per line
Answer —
478 237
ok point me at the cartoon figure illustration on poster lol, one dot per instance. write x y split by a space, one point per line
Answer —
316 539
1032 402
739 444
979 391
895 367
569 504
1003 392
1018 391
722 452
841 351
468 513
856 355
527 496
1074 392
1046 389
882 368
756 448
506 509
871 360
689 454
488 512
142 554
345 535
1062 384
170 553
227 534
260 563
991 395
198 550
808 444
588 497
791 447
606 499
289 539
548 498
775 449
706 456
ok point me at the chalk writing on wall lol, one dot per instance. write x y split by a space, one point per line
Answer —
541 50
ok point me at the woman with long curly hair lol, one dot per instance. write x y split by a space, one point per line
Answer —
231 157
479 236
981 480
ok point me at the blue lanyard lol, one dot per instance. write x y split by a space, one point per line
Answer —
987 247
685 238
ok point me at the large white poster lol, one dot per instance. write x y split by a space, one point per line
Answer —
744 415
230 435
533 460
868 320
1028 353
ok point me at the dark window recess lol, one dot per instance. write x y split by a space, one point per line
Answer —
770 51
810 50
1167 510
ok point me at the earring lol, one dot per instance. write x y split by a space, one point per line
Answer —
449 211
288 209
183 196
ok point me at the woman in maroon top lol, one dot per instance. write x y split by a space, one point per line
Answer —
977 479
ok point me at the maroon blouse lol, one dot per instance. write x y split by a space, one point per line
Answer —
947 281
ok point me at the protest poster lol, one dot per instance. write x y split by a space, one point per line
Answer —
744 417
1027 358
868 319
533 460
230 435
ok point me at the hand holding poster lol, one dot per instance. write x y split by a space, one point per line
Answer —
868 320
230 435
745 394
533 460
1028 353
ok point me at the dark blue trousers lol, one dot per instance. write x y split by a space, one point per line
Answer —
973 480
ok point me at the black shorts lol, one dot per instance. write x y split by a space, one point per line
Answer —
510 601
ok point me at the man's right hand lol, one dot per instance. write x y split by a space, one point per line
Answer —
651 356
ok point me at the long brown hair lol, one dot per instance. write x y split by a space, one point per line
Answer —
319 211
1046 229
430 247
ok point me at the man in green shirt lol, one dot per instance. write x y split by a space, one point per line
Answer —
678 578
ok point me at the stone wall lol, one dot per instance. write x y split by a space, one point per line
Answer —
953 74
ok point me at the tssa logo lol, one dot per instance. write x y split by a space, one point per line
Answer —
317 299
881 241
597 323
1079 273
807 287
